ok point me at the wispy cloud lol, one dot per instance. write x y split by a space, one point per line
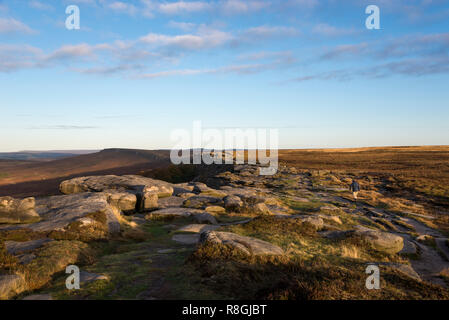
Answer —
10 25
63 127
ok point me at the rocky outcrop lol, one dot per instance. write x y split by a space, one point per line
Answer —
128 193
17 210
233 203
247 245
14 247
201 202
58 212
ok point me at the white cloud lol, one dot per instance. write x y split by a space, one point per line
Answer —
183 7
122 7
39 5
10 25
185 26
331 31
271 31
240 6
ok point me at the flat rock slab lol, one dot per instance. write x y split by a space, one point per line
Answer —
170 202
198 228
133 183
247 245
14 247
186 238
182 212
58 212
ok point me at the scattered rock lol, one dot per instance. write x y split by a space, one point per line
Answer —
260 208
171 202
247 245
380 240
215 210
405 269
200 202
233 203
180 212
314 221
205 218
17 210
334 219
186 195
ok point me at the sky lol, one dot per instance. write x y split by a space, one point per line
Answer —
138 70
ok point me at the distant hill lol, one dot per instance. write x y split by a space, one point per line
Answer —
41 155
31 178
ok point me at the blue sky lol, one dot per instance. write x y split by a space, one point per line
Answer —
137 70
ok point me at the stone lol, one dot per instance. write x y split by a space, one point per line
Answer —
130 183
123 201
57 212
260 208
215 210
170 202
188 239
149 201
17 210
198 228
205 218
179 188
233 203
380 240
409 248
247 245
200 202
15 248
180 212
314 221
11 285
199 187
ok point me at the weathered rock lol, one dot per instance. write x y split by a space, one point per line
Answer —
15 248
215 210
131 183
247 245
409 248
180 212
199 187
123 201
260 208
233 203
314 221
201 202
170 202
205 218
58 212
182 188
147 201
198 228
10 285
380 240
17 210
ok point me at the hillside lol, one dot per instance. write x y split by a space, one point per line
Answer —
23 178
